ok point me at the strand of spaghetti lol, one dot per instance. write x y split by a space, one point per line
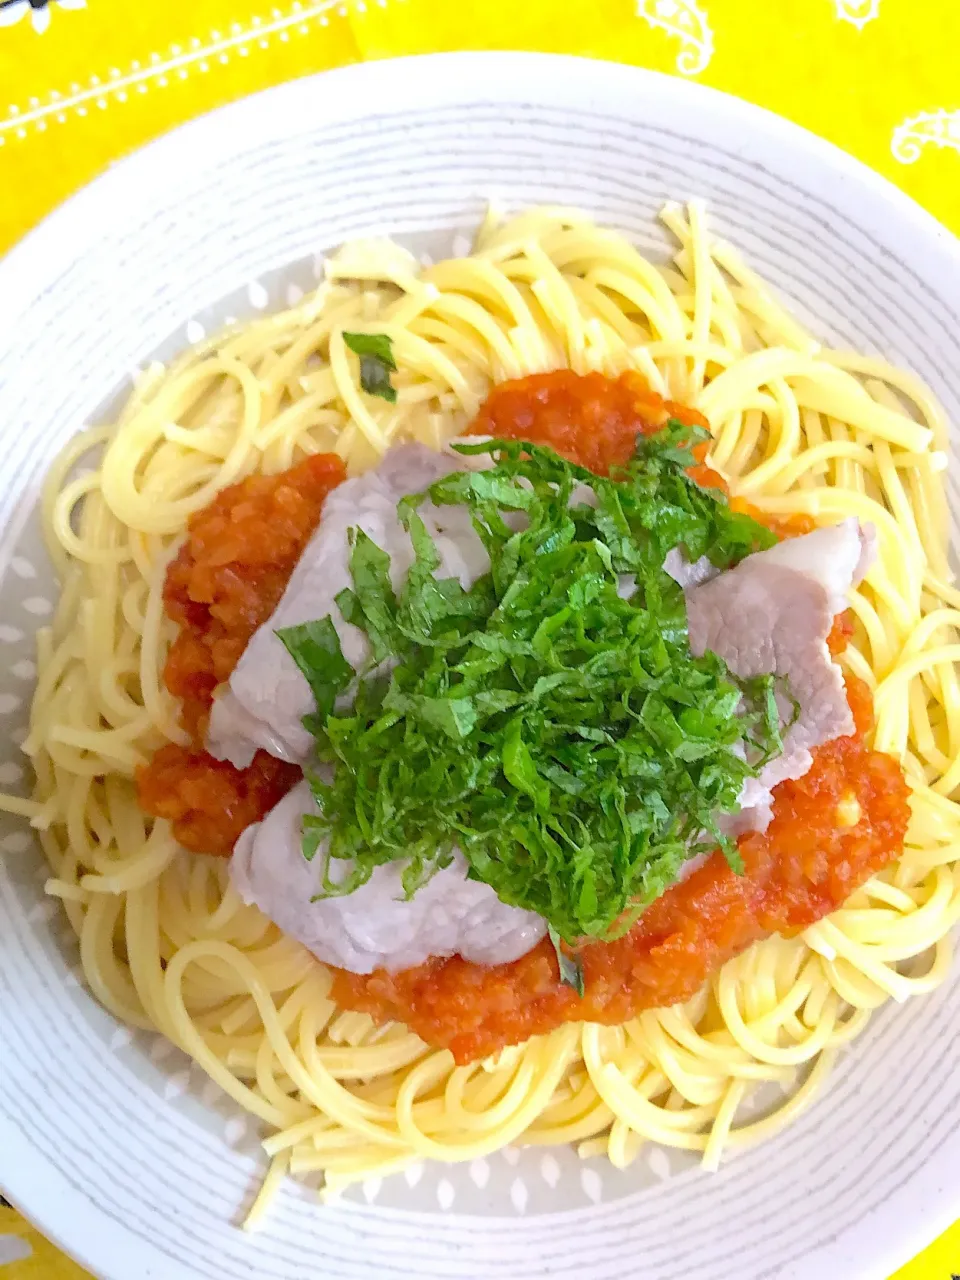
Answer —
195 1045
896 936
363 1167
672 1128
701 1089
731 1059
582 1116
423 356
789 1109
622 1145
895 984
478 278
548 1065
821 387
367 1061
743 449
83 442
268 1189
620 330
506 1090
551 290
908 668
70 497
905 382
134 504
788 439
754 295
21 807
137 870
814 460
720 1129
761 1049
700 269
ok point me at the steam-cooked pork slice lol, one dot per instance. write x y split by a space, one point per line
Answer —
268 696
373 927
772 615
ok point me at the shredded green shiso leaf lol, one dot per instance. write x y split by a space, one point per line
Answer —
376 363
563 736
570 967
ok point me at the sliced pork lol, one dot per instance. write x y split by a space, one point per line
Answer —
374 927
772 615
268 696
688 573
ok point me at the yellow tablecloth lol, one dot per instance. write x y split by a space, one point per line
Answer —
84 81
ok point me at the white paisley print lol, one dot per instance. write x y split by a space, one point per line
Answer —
12 11
939 129
685 20
857 12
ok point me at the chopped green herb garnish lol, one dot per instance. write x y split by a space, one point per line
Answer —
376 363
761 692
571 968
315 648
550 721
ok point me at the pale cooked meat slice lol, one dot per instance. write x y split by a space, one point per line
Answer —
771 615
373 927
268 696
792 553
838 556
688 573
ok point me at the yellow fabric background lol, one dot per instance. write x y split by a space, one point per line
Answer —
881 78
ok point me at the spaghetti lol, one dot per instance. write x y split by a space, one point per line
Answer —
166 943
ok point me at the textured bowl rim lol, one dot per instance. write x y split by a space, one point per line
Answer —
34 264
60 236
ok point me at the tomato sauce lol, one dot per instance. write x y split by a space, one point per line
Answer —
803 867
594 421
588 418
227 580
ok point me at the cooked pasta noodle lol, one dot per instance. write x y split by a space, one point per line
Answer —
165 941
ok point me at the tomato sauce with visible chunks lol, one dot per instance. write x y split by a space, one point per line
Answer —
229 577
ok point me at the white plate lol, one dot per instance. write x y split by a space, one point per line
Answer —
109 1142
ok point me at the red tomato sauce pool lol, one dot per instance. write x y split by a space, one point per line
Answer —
227 580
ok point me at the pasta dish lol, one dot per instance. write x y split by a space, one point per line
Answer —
511 700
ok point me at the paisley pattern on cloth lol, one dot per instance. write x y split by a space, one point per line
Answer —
936 128
84 81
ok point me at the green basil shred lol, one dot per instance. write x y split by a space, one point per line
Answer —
562 736
570 966
376 363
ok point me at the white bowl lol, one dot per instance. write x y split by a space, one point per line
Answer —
107 1140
